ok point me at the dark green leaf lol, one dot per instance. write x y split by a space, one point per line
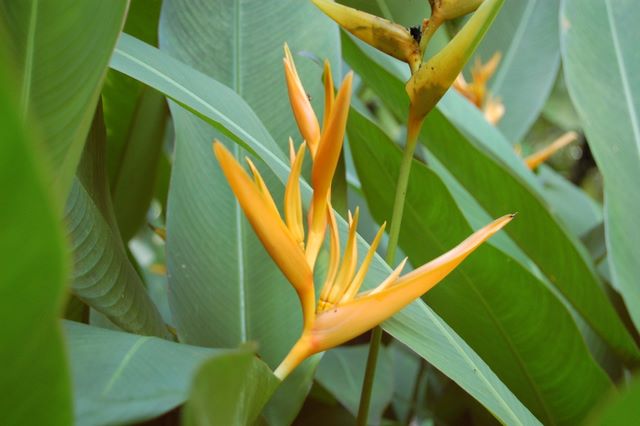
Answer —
229 389
103 275
135 118
482 163
487 299
34 383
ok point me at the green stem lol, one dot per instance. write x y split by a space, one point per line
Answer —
369 375
413 128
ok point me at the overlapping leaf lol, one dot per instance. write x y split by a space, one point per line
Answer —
417 326
63 49
601 69
482 168
487 299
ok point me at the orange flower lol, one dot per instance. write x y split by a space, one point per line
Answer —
537 158
342 311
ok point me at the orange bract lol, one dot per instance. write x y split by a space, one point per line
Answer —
341 312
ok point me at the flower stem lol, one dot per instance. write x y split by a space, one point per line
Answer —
369 375
413 129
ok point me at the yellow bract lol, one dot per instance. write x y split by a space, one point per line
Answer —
384 35
342 312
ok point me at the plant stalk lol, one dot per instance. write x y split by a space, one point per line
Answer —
413 129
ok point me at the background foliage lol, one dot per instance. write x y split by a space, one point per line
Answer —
107 113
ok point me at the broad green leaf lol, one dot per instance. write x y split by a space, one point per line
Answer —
481 164
229 389
601 66
135 118
123 378
103 275
487 299
225 289
619 408
416 326
34 383
63 49
341 372
526 34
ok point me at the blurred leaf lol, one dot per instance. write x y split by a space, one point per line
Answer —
287 400
341 372
481 163
34 383
406 372
103 275
64 48
578 212
526 34
229 389
225 289
416 326
559 109
619 408
123 378
135 118
487 298
601 65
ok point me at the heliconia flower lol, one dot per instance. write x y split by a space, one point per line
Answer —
537 158
452 9
325 147
342 311
476 90
434 77
302 110
384 35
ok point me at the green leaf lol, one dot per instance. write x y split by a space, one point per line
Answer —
487 299
578 212
63 48
619 408
341 372
134 184
559 108
526 34
229 389
225 289
124 378
477 156
103 275
417 326
601 65
135 118
34 383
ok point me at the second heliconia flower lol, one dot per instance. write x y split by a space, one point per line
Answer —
342 311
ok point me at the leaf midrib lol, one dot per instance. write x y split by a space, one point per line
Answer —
28 58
